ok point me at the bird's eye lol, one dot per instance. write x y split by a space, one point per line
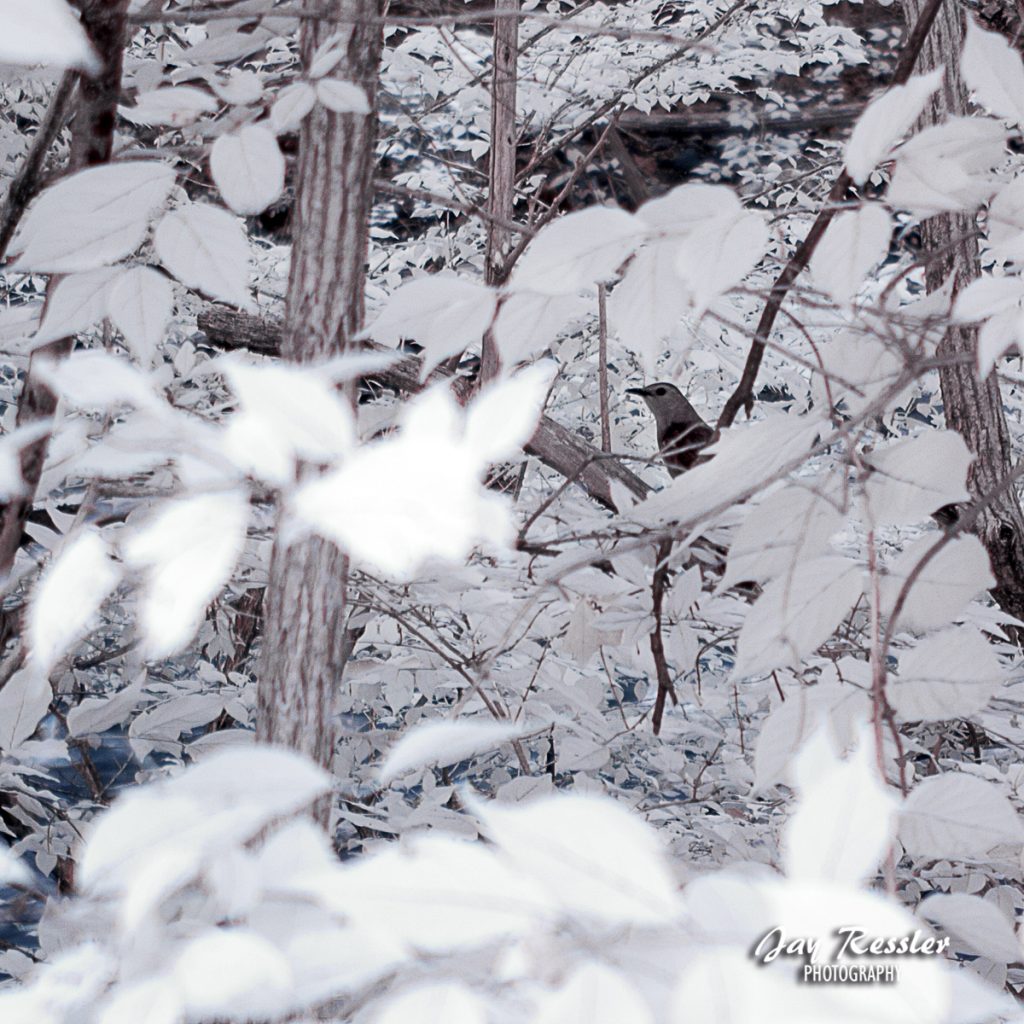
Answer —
660 391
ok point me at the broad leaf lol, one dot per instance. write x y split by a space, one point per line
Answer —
885 121
93 218
292 105
993 71
248 168
24 701
75 303
175 106
854 243
205 248
978 922
45 32
139 304
444 743
342 97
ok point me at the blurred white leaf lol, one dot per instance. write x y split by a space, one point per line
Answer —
996 337
504 415
977 922
790 525
911 479
528 323
1005 222
948 166
717 255
992 69
442 313
240 88
12 871
206 249
233 974
45 32
292 105
92 218
400 501
152 1001
951 578
11 446
885 120
248 168
139 304
342 97
577 251
855 242
75 303
591 856
796 614
958 816
444 743
844 821
287 413
950 674
594 994
24 701
176 106
68 596
647 305
97 379
187 551
688 208
440 1003
988 296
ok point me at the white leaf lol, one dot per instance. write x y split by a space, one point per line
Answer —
947 167
240 88
188 549
74 304
45 32
68 596
176 106
591 856
993 72
11 868
843 823
400 501
577 251
1005 222
952 577
342 97
912 479
163 724
287 413
790 525
11 446
439 1003
442 313
233 974
292 105
95 715
978 922
139 305
951 674
688 208
718 255
796 614
996 337
958 816
248 168
594 994
444 743
92 218
854 243
97 379
528 323
327 56
206 249
885 120
24 701
987 296
503 417
646 306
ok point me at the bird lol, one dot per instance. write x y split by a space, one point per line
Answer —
682 434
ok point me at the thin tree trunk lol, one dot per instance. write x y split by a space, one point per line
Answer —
304 644
92 139
973 408
502 161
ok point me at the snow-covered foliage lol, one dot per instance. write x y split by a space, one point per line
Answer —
842 746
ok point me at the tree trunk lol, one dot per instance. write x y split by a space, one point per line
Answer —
973 408
92 140
304 649
501 162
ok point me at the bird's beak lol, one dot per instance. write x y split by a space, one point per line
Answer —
642 392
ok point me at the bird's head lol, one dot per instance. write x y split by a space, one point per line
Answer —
667 402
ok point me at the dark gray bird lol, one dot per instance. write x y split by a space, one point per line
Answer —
682 434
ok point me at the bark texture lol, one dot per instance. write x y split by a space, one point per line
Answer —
304 648
92 140
973 407
501 162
